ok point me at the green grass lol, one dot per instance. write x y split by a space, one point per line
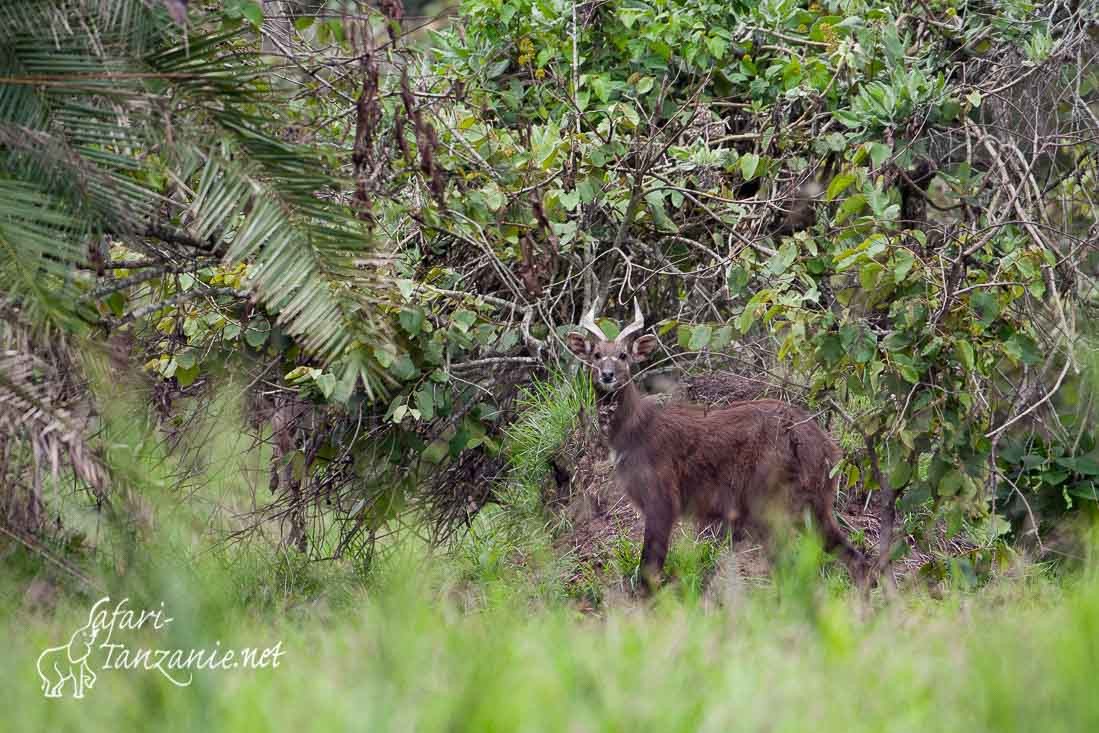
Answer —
487 638
548 412
413 653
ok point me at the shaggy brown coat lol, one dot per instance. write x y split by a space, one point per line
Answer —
742 468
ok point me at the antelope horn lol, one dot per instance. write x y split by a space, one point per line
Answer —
588 322
637 325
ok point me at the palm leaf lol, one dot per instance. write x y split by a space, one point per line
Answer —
80 109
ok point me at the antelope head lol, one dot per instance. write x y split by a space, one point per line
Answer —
609 360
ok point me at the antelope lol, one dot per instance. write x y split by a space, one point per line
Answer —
736 469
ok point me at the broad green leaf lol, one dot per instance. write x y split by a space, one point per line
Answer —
865 347
569 199
737 279
717 46
404 368
1022 347
700 337
783 258
186 358
879 154
950 483
829 349
966 355
902 264
412 319
327 383
722 337
986 305
253 11
655 200
185 377
463 319
425 402
257 332
838 185
749 162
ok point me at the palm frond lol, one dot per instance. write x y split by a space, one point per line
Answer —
95 95
30 415
41 247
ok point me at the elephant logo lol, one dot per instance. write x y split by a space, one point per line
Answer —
69 662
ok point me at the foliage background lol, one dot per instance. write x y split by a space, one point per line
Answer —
287 281
377 223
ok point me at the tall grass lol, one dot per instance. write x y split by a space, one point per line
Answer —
486 640
548 413
1019 656
509 545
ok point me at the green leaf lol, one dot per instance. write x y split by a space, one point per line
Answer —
829 349
384 357
838 185
257 332
436 451
569 199
848 118
494 197
404 368
966 356
412 319
185 377
900 471
253 11
717 46
463 319
326 382
1022 347
425 402
902 264
721 338
700 336
749 162
865 347
879 153
986 305
896 341
782 259
737 279
869 275
950 483
655 200
1087 466
907 368
116 301
187 358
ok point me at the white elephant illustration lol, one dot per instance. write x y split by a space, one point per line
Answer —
57 665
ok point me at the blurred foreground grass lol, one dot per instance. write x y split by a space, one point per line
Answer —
476 641
408 653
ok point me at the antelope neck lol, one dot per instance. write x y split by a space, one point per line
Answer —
626 404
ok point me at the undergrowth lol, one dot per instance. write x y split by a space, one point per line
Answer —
490 638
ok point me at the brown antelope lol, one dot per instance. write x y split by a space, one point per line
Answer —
738 468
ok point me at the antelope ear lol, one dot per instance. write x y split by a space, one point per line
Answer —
644 346
578 344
